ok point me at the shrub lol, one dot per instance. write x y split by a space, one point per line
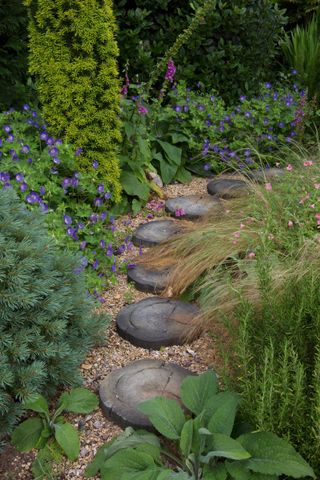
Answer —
232 51
43 171
73 57
47 323
299 11
13 53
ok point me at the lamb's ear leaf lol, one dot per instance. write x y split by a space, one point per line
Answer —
27 435
37 403
166 416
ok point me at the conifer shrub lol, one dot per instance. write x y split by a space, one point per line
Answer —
47 322
73 55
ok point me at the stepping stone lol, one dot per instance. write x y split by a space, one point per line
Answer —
228 188
156 322
148 280
192 206
123 389
261 176
153 233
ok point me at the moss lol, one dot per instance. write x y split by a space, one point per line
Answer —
73 55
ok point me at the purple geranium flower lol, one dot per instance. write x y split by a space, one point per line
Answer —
98 202
50 141
78 151
53 152
10 138
67 219
44 136
102 244
95 164
95 264
100 188
19 177
26 107
82 245
142 109
42 190
23 187
32 197
103 216
7 128
93 218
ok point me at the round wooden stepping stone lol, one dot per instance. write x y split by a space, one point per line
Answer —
156 322
192 206
153 233
123 389
228 188
261 176
148 280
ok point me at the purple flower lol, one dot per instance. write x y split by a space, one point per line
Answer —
72 233
95 164
131 266
30 160
7 128
67 219
171 70
44 136
247 152
142 109
102 244
109 251
19 177
107 195
113 268
58 142
206 167
74 182
95 264
53 152
100 188
26 107
81 226
103 216
44 207
149 215
56 160
82 245
1 142
180 212
243 98
34 114
66 182
93 218
267 85
247 114
78 151
4 177
294 72
50 141
10 138
84 261
23 187
177 108
32 197
98 202
54 171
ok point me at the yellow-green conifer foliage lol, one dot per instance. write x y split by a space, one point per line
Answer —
73 55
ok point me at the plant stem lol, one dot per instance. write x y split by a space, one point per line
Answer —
172 457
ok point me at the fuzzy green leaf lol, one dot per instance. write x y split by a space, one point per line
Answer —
238 471
195 391
125 464
37 404
26 436
132 186
165 415
79 400
226 447
68 439
272 455
216 472
222 420
173 153
186 438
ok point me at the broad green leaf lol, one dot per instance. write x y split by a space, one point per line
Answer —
144 149
195 391
125 463
179 137
37 404
216 472
173 153
183 176
216 402
68 439
27 435
238 471
132 186
226 447
79 400
136 206
170 475
152 473
167 171
166 416
186 438
222 420
99 459
272 455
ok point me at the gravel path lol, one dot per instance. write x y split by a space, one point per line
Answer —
95 428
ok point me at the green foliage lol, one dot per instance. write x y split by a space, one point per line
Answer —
13 54
73 55
195 131
206 443
301 49
78 205
232 50
47 322
51 434
299 11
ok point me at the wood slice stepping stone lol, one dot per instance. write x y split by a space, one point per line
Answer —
153 233
149 280
192 206
156 322
261 176
228 188
123 389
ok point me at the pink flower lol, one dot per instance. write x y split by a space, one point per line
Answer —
242 225
290 224
289 167
268 186
141 109
312 206
308 163
317 186
317 215
251 255
234 242
171 71
236 234
270 236
180 212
